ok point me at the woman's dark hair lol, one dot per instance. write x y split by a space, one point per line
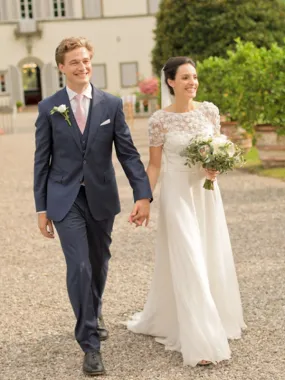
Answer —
171 67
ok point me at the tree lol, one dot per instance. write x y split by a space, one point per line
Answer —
204 28
248 85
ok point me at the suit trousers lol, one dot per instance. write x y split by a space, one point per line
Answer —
86 246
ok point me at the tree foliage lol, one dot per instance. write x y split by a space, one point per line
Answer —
204 28
248 84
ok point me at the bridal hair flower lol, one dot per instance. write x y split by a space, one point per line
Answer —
63 110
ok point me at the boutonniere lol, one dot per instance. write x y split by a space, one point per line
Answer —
63 110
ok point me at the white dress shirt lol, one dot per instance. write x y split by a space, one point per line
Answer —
85 101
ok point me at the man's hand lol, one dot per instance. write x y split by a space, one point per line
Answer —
45 225
140 212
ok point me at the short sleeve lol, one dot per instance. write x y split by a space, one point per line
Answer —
156 131
213 115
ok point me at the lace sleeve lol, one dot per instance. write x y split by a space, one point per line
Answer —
213 115
156 130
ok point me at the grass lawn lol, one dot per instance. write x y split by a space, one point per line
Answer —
253 165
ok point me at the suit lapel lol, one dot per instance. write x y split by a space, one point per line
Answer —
73 129
97 113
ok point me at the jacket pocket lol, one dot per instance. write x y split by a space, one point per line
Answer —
106 128
56 177
109 175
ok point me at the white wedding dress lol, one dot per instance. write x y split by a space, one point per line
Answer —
193 305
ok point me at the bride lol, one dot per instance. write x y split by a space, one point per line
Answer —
193 305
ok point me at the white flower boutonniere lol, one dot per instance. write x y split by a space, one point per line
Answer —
63 110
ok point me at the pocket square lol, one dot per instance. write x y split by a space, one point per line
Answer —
108 121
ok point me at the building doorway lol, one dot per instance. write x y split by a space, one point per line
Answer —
31 76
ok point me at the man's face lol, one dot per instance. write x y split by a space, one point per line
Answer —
77 67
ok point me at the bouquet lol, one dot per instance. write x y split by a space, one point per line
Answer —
214 153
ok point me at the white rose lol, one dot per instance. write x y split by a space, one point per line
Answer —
216 146
204 151
223 137
231 150
62 108
218 142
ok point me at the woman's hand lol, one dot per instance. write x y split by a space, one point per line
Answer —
211 174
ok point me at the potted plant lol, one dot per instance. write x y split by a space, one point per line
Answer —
270 125
219 85
137 106
145 105
149 88
242 82
19 106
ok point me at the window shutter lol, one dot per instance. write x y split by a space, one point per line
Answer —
129 72
50 79
92 9
99 76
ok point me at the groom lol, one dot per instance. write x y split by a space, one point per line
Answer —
75 187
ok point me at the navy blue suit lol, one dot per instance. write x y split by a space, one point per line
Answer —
84 215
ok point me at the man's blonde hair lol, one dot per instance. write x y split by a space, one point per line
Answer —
69 44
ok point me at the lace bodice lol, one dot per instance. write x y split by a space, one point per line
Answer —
175 130
203 120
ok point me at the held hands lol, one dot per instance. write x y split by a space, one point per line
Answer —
45 225
140 213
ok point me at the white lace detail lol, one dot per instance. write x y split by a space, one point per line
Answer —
203 120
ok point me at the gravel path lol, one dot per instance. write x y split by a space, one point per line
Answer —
37 322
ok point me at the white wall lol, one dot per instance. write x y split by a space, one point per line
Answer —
14 49
124 7
116 40
77 8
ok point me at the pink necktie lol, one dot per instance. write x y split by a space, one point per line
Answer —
79 113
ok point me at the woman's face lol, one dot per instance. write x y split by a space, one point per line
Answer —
186 82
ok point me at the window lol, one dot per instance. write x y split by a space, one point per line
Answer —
26 8
59 9
3 11
60 79
129 74
3 83
92 8
99 78
153 6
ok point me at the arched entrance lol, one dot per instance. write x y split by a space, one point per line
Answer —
32 86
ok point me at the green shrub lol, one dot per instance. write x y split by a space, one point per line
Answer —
248 84
204 28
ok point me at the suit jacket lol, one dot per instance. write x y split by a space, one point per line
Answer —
60 162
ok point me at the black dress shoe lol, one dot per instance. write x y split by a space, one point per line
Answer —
102 331
92 364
